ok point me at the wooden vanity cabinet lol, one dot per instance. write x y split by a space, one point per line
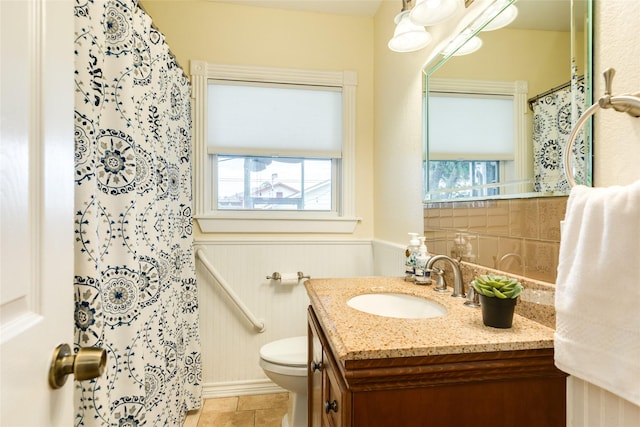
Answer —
329 399
499 389
314 375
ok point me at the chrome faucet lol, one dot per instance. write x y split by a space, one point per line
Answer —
458 287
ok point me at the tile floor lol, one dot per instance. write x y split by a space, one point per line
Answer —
263 410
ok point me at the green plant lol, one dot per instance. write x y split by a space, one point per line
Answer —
497 286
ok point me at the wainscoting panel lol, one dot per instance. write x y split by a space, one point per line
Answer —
230 344
388 258
591 406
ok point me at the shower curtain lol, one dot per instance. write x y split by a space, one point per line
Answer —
135 289
553 119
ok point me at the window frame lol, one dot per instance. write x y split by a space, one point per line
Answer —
517 89
342 220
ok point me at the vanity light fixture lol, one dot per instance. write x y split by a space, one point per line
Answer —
504 18
458 47
431 12
408 37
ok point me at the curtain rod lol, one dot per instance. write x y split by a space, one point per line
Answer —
550 91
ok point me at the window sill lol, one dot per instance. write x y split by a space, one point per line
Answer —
243 223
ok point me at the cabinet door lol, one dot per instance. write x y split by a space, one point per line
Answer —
333 403
314 375
329 399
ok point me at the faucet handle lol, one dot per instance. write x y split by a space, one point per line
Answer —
441 285
473 298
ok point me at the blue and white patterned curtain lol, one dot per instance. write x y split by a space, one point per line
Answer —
135 288
553 121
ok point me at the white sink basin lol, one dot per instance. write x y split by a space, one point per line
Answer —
397 305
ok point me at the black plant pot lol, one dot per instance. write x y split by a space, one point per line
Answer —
497 312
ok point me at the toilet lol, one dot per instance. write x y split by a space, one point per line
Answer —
285 363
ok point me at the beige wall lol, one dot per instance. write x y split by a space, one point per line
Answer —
617 136
398 146
243 35
398 123
389 136
389 139
541 58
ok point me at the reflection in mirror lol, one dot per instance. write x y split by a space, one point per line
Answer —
498 118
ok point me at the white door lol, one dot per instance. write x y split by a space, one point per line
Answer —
36 208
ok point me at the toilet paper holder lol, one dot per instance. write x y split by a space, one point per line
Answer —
277 276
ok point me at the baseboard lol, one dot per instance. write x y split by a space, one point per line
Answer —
240 388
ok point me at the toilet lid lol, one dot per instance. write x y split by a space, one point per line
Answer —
287 351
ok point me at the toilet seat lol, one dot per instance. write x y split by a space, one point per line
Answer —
274 368
285 363
290 352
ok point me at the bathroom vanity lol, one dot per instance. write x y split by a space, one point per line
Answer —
369 370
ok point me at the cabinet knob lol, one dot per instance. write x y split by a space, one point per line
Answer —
331 406
316 366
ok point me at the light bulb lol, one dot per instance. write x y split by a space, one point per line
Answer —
506 17
408 37
470 46
431 12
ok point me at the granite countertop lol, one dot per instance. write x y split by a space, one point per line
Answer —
355 335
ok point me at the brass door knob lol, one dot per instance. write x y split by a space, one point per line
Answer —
88 363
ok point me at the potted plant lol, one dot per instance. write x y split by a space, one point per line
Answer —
498 297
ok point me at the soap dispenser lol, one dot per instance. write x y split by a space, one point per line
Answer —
410 261
462 248
459 246
422 275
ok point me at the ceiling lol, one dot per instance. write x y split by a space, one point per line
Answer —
336 7
533 14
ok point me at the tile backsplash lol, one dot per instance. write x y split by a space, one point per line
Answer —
519 236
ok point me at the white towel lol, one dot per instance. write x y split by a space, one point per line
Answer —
597 299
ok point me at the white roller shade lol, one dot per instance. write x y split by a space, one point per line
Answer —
471 127
274 120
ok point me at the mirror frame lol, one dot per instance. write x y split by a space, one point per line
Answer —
472 30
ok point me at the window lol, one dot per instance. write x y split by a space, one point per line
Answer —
274 149
453 179
476 135
274 183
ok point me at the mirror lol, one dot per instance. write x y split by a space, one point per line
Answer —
497 119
